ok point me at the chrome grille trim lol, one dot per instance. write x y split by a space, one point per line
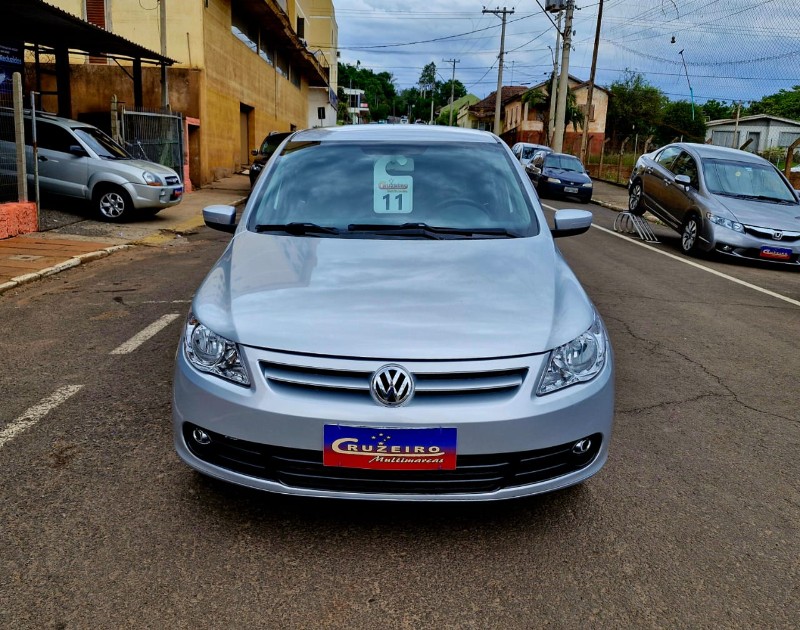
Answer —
432 379
766 233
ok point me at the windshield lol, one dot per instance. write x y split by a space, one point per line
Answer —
744 179
101 144
363 188
527 152
272 142
563 162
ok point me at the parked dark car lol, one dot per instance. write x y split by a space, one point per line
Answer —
560 175
719 199
265 151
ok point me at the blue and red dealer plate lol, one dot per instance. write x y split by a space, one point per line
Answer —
389 449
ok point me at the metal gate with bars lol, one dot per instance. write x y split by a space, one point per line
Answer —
153 136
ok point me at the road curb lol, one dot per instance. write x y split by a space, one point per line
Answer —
62 266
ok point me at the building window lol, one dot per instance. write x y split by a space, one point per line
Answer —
243 29
96 12
294 76
265 50
785 138
301 28
281 65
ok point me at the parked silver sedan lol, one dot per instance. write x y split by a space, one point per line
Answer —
392 320
719 199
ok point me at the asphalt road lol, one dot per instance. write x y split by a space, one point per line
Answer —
692 523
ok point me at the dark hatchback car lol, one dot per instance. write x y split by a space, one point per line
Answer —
560 175
265 151
719 199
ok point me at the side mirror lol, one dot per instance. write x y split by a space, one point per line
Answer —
77 150
222 218
571 222
684 180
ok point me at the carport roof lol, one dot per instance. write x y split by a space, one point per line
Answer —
36 22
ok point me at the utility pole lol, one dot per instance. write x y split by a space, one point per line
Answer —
499 98
588 118
162 14
551 128
563 80
452 86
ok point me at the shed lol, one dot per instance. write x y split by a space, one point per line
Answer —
764 130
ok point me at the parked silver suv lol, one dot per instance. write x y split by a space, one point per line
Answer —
78 160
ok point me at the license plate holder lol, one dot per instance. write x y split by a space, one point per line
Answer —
387 448
776 253
571 190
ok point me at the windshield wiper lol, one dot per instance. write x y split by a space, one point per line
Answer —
296 229
756 197
429 231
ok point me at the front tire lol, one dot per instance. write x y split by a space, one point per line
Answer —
690 236
113 203
635 204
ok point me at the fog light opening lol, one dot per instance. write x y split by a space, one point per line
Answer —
581 447
201 437
726 248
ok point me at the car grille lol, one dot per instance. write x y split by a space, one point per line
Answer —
172 180
428 385
297 468
767 233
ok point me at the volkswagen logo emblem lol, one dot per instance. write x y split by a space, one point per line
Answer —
777 235
392 386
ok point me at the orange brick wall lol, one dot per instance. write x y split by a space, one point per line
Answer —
17 218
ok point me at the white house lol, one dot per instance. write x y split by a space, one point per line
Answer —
765 131
358 108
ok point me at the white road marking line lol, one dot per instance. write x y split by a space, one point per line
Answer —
164 302
151 331
694 264
37 412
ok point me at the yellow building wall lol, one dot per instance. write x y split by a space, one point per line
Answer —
322 33
235 76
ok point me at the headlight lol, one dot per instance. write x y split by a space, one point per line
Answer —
150 179
731 225
553 180
210 353
578 361
587 185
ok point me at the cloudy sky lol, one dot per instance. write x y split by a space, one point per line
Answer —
733 49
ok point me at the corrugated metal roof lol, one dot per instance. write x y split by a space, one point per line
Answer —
36 22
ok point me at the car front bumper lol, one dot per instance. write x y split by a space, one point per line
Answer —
144 196
749 245
559 190
270 436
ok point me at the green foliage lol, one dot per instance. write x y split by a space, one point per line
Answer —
786 104
635 106
716 110
379 90
677 122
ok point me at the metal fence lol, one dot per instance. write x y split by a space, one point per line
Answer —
8 150
154 136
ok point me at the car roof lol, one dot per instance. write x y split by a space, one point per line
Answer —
704 151
395 133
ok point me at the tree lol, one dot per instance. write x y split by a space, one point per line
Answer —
379 90
716 110
785 103
677 122
635 106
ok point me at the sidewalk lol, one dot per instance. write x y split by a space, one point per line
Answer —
31 256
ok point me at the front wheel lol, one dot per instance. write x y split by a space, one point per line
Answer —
113 204
690 236
635 204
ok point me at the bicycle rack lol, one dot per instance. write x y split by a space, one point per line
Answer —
627 223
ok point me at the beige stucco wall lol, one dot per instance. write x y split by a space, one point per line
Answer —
600 103
322 33
235 75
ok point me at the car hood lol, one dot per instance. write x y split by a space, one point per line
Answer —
136 166
571 177
394 298
777 216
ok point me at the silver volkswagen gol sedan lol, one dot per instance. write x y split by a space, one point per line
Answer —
392 320
719 199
